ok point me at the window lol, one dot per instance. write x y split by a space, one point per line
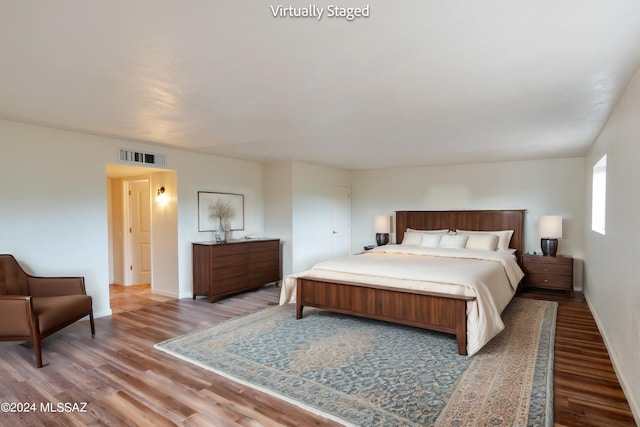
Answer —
599 198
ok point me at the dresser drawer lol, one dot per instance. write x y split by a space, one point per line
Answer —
261 264
221 262
264 276
266 246
225 273
271 256
225 249
231 284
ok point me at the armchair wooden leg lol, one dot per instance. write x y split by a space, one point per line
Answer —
36 338
93 326
37 348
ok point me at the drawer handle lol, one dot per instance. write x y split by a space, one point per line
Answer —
546 280
546 269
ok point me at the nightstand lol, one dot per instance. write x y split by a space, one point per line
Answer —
548 272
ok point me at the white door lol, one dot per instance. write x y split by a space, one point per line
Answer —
340 221
138 253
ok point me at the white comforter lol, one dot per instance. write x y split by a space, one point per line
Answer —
491 277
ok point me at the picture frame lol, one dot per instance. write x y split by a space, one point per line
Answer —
206 199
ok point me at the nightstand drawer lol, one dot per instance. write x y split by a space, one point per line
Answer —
548 269
549 281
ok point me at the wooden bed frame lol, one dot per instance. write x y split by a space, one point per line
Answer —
428 310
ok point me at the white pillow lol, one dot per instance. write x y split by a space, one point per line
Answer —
430 240
443 231
449 241
412 238
504 236
482 242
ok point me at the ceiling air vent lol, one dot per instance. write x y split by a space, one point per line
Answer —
139 158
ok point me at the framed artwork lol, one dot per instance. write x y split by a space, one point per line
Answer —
210 203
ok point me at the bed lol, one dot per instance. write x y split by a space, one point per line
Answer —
364 285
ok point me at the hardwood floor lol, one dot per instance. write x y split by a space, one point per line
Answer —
586 389
125 381
133 297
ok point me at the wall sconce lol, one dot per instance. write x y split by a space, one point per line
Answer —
161 196
382 227
549 230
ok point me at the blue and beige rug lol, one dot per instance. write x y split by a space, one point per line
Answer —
369 373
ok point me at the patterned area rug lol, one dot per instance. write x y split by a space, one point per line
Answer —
370 373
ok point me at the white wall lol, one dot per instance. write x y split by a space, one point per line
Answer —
164 234
611 280
116 225
540 186
278 208
53 203
311 222
298 210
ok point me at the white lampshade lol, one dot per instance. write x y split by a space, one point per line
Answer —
382 224
550 227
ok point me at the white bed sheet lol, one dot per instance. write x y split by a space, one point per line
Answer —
491 277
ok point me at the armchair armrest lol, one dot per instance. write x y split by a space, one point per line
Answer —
16 316
56 286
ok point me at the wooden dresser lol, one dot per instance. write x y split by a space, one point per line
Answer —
221 269
549 272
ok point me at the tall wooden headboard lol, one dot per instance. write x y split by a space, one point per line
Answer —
483 220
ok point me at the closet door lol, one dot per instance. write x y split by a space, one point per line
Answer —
340 221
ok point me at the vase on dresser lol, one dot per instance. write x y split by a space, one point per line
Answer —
221 233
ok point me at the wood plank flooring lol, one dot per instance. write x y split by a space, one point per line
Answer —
586 389
132 297
124 381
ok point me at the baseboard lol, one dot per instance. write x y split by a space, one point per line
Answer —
165 293
99 314
633 402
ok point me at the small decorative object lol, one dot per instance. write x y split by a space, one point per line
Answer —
382 227
549 229
222 210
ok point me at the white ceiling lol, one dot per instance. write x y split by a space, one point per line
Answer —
416 83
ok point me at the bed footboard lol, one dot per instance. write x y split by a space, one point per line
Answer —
427 310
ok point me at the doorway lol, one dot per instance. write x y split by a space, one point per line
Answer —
143 233
137 244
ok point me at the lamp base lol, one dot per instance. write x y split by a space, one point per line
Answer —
382 238
549 246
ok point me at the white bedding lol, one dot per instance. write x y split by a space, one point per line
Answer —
491 276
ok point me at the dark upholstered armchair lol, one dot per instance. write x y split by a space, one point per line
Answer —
32 308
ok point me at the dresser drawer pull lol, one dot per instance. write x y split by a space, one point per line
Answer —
546 280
